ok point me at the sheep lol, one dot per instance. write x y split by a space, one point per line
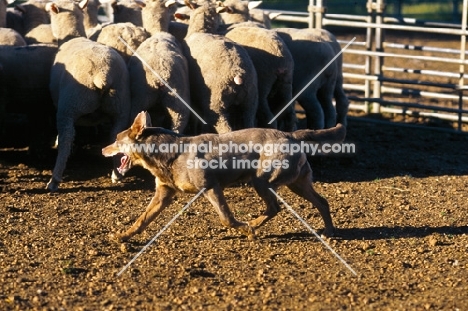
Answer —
8 36
11 37
274 65
26 76
87 78
35 22
90 15
110 35
241 13
312 49
156 19
163 56
222 76
128 11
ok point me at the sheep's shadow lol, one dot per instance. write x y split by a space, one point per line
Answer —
375 233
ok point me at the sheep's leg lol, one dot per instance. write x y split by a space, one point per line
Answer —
272 206
325 95
217 199
66 135
313 110
179 113
342 103
223 125
161 199
302 186
264 114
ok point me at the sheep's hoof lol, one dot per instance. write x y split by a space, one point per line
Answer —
53 185
116 177
328 233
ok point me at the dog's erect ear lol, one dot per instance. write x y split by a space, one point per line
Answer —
142 121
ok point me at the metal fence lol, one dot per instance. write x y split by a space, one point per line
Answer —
435 89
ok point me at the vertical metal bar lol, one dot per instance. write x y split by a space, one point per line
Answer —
319 14
311 13
368 58
379 8
461 81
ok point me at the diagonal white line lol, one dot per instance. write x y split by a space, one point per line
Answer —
313 231
160 78
160 232
311 81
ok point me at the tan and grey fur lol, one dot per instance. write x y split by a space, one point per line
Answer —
172 173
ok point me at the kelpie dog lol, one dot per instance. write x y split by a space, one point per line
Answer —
213 161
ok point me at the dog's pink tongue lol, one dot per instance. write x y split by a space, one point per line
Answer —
123 161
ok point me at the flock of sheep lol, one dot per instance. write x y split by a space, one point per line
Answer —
178 62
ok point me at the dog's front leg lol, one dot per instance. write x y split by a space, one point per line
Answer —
216 197
162 199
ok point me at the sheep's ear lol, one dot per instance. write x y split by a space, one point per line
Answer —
168 3
83 4
20 8
52 7
221 8
272 16
140 3
224 9
254 4
182 17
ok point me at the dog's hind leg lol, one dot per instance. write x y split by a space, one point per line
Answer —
216 197
272 206
162 199
302 186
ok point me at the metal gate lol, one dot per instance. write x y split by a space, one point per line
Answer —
376 85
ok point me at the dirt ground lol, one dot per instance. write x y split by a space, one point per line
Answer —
400 204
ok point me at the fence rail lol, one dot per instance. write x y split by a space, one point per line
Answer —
373 81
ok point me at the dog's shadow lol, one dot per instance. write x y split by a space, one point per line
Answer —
375 233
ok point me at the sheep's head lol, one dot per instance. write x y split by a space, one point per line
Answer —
238 11
156 15
66 18
205 17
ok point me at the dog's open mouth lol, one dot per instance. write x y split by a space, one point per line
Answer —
125 164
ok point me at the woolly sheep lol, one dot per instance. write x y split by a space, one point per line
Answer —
312 49
155 18
164 56
8 36
86 78
127 11
222 76
274 65
162 53
26 74
90 15
11 37
110 35
35 22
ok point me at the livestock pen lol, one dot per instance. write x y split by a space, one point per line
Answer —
425 80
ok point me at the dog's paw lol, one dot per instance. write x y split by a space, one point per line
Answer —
52 185
116 177
117 237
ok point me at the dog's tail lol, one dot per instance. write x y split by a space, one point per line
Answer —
334 134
